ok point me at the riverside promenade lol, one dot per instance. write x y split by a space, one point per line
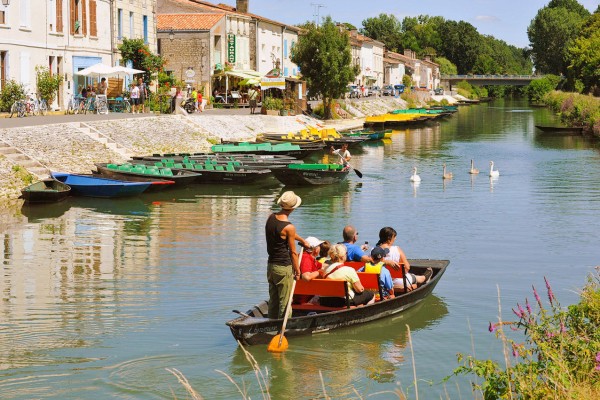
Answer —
73 143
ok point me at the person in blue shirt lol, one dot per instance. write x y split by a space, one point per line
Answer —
378 267
354 251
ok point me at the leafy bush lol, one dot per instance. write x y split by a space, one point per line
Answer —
412 101
11 92
271 103
538 88
560 358
47 84
576 109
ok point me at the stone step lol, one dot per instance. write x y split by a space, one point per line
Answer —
29 163
7 150
16 157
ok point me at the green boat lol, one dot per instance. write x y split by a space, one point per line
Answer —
310 174
369 134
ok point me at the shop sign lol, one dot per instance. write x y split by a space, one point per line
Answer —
231 48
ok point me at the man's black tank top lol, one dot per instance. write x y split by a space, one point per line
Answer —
279 252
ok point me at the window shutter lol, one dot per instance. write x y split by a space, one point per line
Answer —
84 21
93 26
59 16
73 8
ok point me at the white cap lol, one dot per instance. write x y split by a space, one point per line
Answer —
313 241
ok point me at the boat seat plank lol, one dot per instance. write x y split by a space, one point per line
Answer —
370 282
322 288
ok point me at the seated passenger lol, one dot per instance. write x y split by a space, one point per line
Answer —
354 251
387 237
310 268
378 267
324 253
337 270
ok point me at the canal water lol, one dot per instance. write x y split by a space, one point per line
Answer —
100 297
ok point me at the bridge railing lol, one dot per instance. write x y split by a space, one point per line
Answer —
469 76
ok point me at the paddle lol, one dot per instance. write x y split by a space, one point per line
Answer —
279 343
347 164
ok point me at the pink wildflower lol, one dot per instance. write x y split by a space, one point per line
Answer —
518 313
527 306
537 296
598 361
492 328
550 293
515 352
562 327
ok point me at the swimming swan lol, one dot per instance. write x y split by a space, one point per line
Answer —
414 177
446 175
473 170
493 173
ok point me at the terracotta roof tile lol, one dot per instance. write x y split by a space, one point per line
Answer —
187 22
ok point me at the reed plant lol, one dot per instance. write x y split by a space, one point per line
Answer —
576 109
556 355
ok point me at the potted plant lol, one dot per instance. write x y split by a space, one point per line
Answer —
271 106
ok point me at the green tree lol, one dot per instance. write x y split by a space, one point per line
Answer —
11 92
460 45
551 33
47 84
385 28
446 66
324 58
584 55
136 51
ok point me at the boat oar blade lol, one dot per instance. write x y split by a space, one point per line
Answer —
278 344
357 172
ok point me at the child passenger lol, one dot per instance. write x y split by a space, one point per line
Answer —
378 267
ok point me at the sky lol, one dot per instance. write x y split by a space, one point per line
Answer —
504 19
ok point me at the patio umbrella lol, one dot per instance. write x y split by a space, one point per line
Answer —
250 82
119 69
98 70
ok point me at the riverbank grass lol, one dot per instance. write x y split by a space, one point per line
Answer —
576 109
559 357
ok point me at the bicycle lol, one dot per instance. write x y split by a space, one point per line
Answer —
18 108
74 105
101 104
89 105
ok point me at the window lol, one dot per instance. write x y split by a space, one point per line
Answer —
93 19
145 22
3 67
59 16
120 23
25 21
2 17
78 17
130 24
285 53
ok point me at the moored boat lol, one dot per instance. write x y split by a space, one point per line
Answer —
254 327
564 130
45 191
91 186
143 173
310 174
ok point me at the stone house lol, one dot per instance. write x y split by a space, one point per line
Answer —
68 36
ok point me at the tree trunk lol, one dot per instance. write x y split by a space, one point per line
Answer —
327 107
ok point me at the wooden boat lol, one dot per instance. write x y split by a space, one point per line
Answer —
310 174
45 191
254 327
563 130
143 173
298 151
369 134
249 161
91 186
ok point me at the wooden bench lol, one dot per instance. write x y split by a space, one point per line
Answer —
370 282
323 288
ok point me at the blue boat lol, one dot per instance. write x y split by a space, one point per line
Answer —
90 186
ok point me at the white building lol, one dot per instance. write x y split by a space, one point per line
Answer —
367 53
67 36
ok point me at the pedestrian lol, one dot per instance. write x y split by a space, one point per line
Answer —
103 87
135 98
283 266
143 95
200 105
252 96
194 97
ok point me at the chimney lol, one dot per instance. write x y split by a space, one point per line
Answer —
241 6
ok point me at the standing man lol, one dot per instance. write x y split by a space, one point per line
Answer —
143 95
252 96
103 87
283 265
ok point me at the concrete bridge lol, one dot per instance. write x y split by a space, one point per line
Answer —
488 80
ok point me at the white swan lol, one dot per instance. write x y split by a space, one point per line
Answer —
446 175
414 177
473 170
493 173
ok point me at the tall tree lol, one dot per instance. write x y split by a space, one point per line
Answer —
385 28
551 33
324 57
584 55
460 45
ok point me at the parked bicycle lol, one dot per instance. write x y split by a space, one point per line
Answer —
97 104
75 105
18 109
35 106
